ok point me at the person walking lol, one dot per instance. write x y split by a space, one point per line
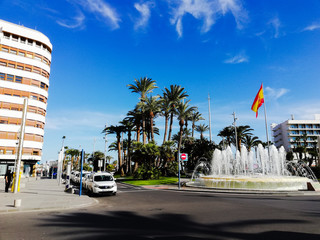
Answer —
8 178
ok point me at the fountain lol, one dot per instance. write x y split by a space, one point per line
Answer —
260 170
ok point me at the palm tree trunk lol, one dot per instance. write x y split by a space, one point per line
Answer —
193 127
151 128
129 154
119 156
170 127
144 128
138 132
180 138
165 128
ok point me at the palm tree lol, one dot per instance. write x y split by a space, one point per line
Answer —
117 130
74 155
128 126
201 129
227 134
242 132
183 110
174 96
152 107
195 117
250 142
135 116
143 86
165 108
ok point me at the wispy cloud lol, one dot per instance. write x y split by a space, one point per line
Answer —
207 11
239 58
312 27
102 10
76 22
276 25
145 12
274 93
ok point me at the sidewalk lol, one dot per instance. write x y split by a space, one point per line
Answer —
39 195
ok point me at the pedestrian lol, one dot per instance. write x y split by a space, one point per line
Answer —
8 178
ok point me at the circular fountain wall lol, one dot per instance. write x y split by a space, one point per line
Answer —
258 170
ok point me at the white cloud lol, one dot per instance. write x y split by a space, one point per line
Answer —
239 58
276 24
102 9
145 13
77 21
207 11
312 27
275 93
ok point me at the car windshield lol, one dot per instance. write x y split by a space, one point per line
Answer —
101 178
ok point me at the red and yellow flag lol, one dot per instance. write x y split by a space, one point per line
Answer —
258 101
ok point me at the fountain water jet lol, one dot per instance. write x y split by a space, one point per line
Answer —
248 172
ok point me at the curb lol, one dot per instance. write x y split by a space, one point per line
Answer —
48 209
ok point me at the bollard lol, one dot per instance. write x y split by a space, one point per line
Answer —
17 203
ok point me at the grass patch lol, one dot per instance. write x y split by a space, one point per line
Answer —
160 181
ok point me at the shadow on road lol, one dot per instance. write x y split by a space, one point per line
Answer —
128 225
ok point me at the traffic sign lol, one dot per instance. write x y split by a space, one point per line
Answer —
184 156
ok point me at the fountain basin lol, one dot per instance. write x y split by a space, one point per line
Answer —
272 183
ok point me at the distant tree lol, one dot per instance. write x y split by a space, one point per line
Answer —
174 95
117 130
143 86
201 129
251 142
183 110
195 117
227 134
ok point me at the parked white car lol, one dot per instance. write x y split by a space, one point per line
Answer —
100 183
85 179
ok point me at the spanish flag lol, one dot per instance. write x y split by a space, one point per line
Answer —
258 101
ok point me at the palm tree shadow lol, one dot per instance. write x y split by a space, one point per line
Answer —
128 225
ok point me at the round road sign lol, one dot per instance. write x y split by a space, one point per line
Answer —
183 156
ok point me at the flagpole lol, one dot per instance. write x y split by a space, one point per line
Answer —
265 119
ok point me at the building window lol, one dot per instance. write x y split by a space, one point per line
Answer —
10 77
18 79
23 40
20 67
11 65
6 35
21 54
15 38
2 76
13 51
3 49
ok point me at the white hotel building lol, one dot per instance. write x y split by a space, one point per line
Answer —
25 59
285 134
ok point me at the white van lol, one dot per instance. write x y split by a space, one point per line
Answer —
100 183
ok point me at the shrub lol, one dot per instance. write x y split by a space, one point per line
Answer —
172 169
146 172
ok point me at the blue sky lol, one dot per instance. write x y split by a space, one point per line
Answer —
225 48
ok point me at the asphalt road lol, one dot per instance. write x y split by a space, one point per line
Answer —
137 213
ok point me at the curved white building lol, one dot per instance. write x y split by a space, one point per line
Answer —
25 59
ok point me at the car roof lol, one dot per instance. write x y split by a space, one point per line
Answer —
102 173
